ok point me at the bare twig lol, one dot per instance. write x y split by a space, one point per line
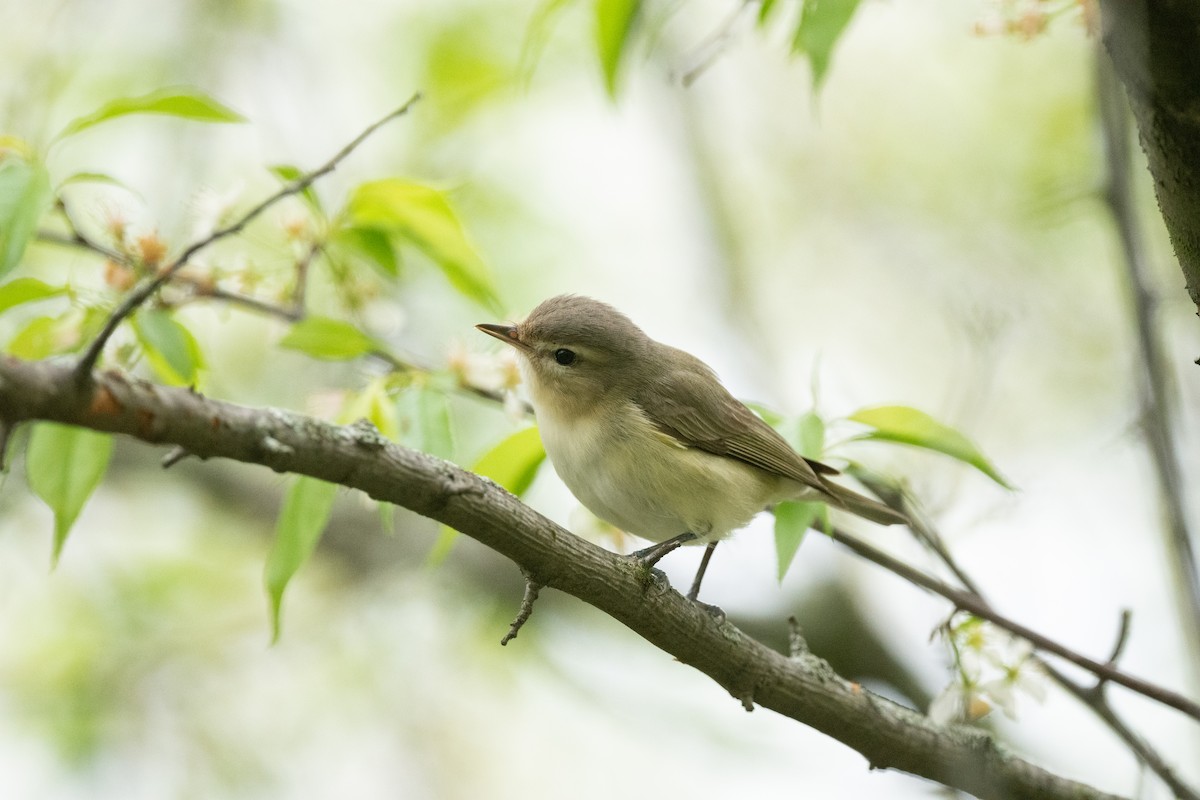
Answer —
1154 378
973 603
1091 696
139 295
1141 749
532 588
174 456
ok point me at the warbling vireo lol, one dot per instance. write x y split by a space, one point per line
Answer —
648 439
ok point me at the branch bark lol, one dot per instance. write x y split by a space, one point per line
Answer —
1154 45
801 687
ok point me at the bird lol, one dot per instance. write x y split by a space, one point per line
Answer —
648 439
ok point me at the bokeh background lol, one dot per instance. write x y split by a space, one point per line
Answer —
925 230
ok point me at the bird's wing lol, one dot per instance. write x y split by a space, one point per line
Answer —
692 408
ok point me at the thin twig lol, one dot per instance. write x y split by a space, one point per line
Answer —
1154 378
174 456
83 369
532 588
970 602
1093 697
299 303
1141 749
6 430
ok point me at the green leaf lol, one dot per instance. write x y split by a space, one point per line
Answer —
92 177
537 33
27 290
910 426
329 339
513 463
822 23
46 336
289 173
374 404
371 245
424 218
170 348
764 11
306 509
427 414
63 465
25 194
614 22
792 521
182 103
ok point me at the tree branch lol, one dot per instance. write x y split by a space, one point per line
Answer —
803 688
141 294
973 603
1154 373
1153 46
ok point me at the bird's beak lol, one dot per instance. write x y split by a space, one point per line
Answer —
505 333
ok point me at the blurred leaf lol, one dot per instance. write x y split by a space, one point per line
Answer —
513 463
306 509
427 413
289 173
170 348
614 22
371 245
329 339
92 177
46 336
792 521
182 103
765 8
910 426
26 290
63 465
373 403
822 23
808 435
769 415
537 33
25 195
424 218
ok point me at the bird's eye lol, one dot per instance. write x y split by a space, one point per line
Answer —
564 356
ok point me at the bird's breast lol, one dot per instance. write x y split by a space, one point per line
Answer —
626 471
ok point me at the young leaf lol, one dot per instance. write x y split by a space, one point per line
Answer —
329 339
46 336
25 194
288 173
63 465
822 23
910 426
513 464
764 11
371 245
170 348
537 33
423 217
306 509
427 414
182 103
792 521
26 290
614 22
373 404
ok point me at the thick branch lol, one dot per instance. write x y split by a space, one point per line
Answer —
803 688
1153 45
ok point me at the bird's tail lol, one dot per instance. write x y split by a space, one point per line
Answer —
863 506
